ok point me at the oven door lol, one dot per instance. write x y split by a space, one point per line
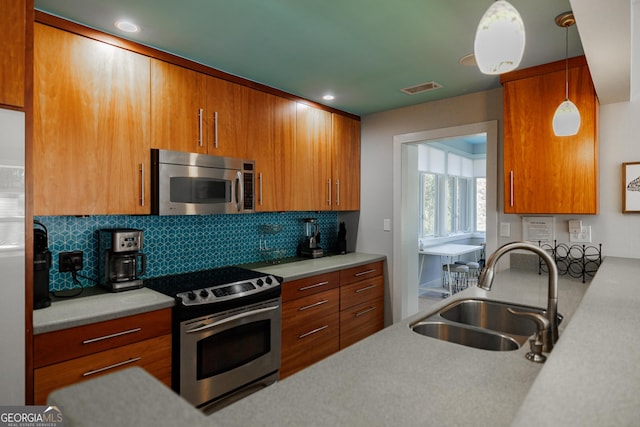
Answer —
224 352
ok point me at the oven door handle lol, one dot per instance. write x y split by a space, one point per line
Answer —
231 319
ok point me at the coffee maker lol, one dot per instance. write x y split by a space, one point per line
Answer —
309 247
121 262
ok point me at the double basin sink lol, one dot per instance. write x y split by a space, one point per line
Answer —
480 323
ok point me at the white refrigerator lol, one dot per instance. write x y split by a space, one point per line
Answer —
12 258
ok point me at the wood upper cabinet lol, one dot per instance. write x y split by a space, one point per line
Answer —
12 52
311 177
345 165
271 145
178 108
91 126
543 173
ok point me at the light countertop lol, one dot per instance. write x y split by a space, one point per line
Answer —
396 377
99 305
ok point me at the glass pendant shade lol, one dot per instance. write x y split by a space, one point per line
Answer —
500 39
566 120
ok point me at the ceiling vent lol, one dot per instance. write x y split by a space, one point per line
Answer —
423 87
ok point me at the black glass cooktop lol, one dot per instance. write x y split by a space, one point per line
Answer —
185 282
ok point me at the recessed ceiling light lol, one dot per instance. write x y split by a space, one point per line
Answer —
127 26
328 97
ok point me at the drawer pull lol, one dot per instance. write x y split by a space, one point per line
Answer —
366 288
304 288
115 365
306 307
106 337
362 273
306 334
365 311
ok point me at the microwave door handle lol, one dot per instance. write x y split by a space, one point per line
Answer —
239 191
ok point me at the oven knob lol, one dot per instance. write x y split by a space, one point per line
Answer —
259 282
204 293
191 295
268 280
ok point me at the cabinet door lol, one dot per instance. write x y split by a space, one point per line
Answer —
178 108
230 118
270 146
345 168
312 189
12 52
91 127
543 173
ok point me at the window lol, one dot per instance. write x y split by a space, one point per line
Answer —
452 200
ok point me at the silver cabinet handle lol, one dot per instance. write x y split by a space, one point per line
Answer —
260 193
200 112
511 188
115 365
215 129
366 288
337 192
365 311
232 319
315 285
315 331
319 303
329 192
142 184
106 337
362 273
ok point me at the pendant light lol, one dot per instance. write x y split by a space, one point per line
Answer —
566 120
500 39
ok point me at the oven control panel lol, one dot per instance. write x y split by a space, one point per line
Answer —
228 291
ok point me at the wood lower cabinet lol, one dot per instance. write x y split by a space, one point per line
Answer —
361 302
91 127
325 313
71 355
544 173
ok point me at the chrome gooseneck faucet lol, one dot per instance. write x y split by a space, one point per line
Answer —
547 327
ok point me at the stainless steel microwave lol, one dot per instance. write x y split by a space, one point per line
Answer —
199 184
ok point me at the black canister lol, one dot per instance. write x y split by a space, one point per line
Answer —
41 267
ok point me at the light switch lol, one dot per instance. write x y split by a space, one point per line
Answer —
505 229
386 224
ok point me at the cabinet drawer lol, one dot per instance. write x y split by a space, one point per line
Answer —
66 344
361 272
309 345
296 313
154 355
360 321
360 292
309 286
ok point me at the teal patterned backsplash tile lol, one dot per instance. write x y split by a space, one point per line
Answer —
179 244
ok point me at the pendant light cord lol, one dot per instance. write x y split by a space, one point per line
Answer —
566 65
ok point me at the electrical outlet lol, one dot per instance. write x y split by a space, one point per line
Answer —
70 261
583 236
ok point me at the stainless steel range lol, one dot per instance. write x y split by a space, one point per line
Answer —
226 333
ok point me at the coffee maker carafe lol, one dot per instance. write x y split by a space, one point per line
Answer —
121 263
310 246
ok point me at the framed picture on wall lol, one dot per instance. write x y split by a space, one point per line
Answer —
631 187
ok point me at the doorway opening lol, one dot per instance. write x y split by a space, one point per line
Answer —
408 218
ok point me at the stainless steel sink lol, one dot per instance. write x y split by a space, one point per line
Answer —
470 337
492 315
480 323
